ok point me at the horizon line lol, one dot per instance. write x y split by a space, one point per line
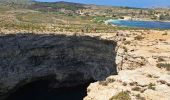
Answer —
152 7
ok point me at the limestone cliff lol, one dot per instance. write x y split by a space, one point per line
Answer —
65 60
143 62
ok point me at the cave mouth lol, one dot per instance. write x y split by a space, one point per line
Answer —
40 90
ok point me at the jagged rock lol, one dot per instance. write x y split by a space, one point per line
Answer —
65 60
136 81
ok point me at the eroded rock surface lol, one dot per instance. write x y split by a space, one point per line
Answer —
143 60
141 84
65 60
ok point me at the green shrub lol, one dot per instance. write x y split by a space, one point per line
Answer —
103 83
110 80
164 65
136 88
124 95
125 49
138 97
139 37
165 33
124 84
127 42
151 86
133 83
160 59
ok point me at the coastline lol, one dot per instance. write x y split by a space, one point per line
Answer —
116 22
110 20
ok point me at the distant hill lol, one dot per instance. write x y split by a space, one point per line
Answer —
16 2
45 6
57 5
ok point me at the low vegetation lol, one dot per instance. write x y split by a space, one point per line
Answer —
139 97
51 22
164 65
160 59
127 42
136 88
139 37
124 95
57 5
61 17
151 86
103 83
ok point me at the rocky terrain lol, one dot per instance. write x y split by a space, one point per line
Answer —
142 59
65 60
141 84
84 49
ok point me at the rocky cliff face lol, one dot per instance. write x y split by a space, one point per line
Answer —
143 62
65 60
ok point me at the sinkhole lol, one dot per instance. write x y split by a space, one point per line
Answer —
40 90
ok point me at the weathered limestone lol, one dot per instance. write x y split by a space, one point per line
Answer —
139 82
138 72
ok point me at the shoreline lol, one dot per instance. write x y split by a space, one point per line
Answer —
110 20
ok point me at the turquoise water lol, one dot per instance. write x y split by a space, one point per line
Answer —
142 24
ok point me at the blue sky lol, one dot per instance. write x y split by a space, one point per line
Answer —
129 3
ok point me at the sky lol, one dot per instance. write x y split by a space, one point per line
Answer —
127 3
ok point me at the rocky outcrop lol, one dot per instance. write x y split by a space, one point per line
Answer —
65 60
140 84
143 60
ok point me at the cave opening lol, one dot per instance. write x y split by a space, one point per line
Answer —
40 90
71 60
